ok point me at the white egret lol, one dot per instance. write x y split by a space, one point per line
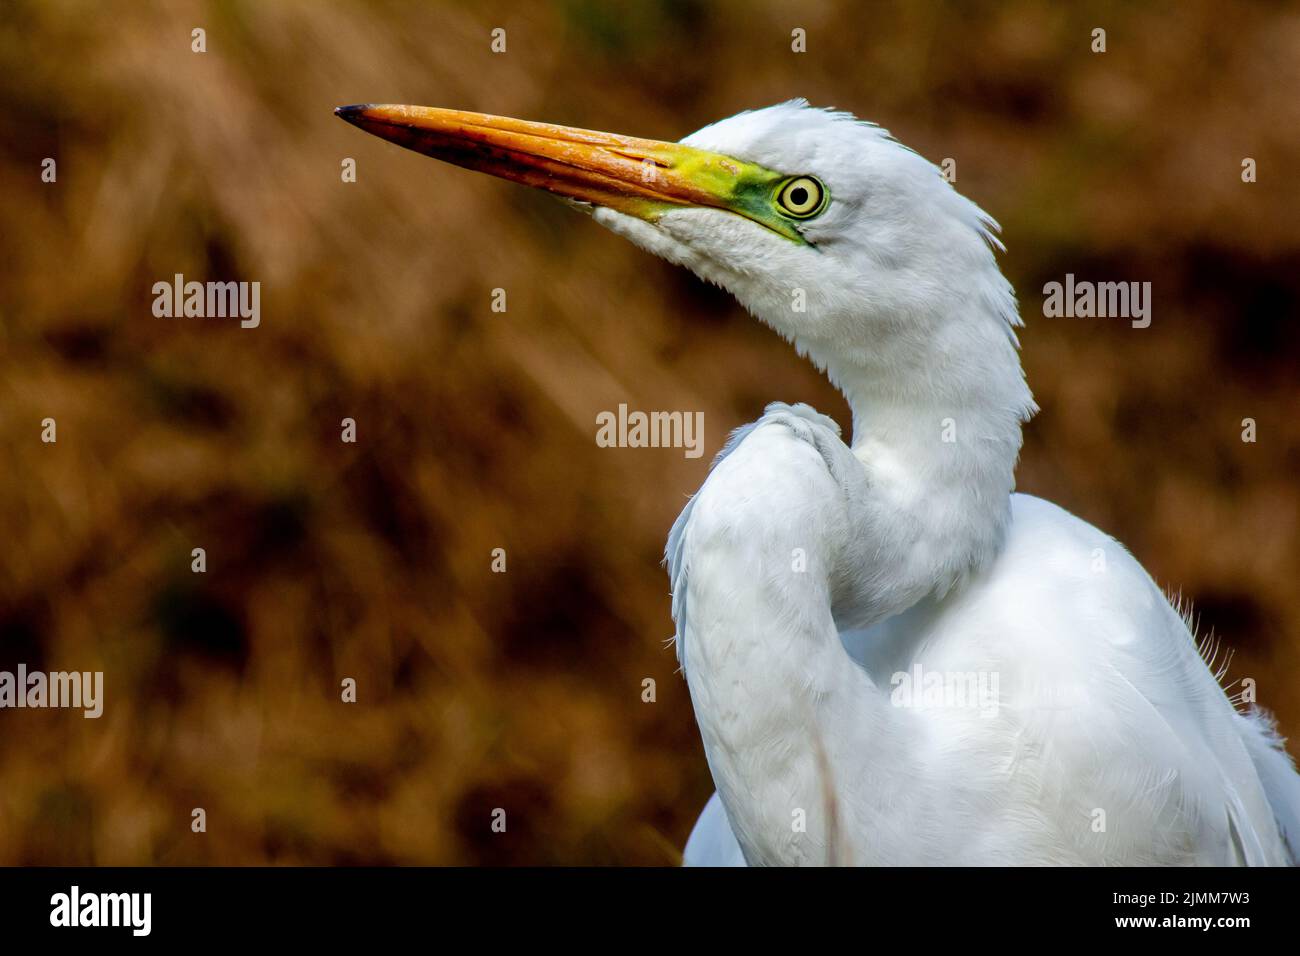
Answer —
894 658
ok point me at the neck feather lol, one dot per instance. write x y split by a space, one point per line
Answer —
791 729
937 426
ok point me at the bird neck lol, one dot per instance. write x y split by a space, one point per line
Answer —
937 426
787 547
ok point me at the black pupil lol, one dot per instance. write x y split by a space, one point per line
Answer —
798 196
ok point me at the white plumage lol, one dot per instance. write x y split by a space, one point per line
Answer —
812 580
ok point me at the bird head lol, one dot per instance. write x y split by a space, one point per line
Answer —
821 225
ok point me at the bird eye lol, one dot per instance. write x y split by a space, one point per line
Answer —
801 197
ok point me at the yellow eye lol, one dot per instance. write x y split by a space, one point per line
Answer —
801 197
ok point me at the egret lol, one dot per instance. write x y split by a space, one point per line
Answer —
892 656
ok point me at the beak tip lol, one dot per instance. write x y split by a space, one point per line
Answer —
351 114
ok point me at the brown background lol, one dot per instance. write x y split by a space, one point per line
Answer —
326 560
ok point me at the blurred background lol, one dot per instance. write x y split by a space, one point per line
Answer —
476 429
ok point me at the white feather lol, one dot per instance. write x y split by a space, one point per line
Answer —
808 574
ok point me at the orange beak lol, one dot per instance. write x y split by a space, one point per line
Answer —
641 177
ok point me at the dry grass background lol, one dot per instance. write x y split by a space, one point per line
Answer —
326 560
